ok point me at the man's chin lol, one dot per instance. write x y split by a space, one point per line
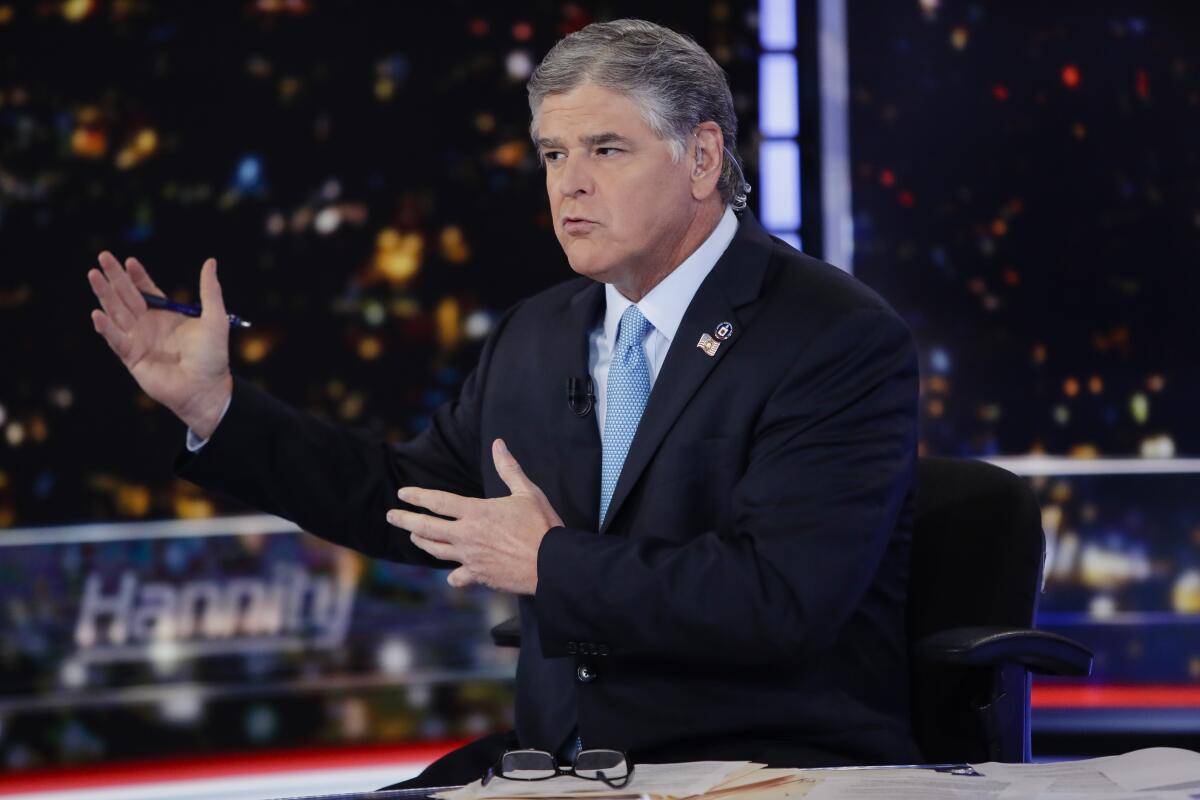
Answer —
590 267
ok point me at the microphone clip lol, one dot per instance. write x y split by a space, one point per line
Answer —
581 396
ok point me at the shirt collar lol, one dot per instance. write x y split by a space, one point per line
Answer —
664 305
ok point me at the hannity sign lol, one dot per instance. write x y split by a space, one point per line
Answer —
289 609
136 612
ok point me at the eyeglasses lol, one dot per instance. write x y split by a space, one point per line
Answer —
610 766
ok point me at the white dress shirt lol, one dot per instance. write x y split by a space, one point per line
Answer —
194 442
663 307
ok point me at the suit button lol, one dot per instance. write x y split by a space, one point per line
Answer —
572 648
603 649
585 673
586 648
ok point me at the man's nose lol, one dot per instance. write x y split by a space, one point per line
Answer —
576 177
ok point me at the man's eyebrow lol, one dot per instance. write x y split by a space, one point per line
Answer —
608 137
588 140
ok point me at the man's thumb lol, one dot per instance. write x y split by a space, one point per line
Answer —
507 467
211 302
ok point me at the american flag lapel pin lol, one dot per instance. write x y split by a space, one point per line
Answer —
708 344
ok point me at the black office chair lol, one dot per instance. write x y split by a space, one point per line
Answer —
978 552
976 575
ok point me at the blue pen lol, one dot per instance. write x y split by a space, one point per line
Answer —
154 301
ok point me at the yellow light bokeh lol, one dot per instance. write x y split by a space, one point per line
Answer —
77 10
397 255
146 141
510 154
89 143
370 348
253 349
449 322
452 245
133 500
193 508
1139 408
351 407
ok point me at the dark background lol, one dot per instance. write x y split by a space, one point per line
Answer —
1027 194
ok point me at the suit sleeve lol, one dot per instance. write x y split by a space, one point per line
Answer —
339 482
832 461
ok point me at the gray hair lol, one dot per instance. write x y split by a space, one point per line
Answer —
676 84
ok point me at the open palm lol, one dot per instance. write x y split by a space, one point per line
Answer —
180 361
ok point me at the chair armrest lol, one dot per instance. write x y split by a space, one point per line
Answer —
507 633
1041 651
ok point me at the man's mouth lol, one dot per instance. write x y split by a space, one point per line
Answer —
578 224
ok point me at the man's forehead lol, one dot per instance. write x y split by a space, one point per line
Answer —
588 112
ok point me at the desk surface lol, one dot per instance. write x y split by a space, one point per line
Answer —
393 794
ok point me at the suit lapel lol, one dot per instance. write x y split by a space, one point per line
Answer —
735 280
576 438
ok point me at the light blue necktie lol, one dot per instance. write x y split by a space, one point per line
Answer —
628 388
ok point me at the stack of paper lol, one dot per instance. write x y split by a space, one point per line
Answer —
697 780
1155 774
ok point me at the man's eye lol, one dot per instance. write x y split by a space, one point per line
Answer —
552 156
604 151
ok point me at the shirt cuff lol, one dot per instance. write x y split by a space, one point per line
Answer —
194 442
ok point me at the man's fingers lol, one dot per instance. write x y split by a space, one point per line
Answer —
117 339
460 578
509 470
118 278
436 549
141 278
211 302
440 530
445 503
120 316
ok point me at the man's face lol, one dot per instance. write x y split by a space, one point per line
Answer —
620 204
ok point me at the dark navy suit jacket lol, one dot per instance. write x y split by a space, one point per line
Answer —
745 596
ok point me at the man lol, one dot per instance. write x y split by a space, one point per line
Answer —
709 531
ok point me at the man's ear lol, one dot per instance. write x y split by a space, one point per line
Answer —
707 157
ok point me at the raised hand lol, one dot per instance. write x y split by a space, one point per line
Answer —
180 361
495 540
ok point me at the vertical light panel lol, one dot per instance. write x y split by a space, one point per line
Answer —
779 120
777 24
779 111
837 225
779 176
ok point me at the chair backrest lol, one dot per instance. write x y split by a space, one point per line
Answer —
977 555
